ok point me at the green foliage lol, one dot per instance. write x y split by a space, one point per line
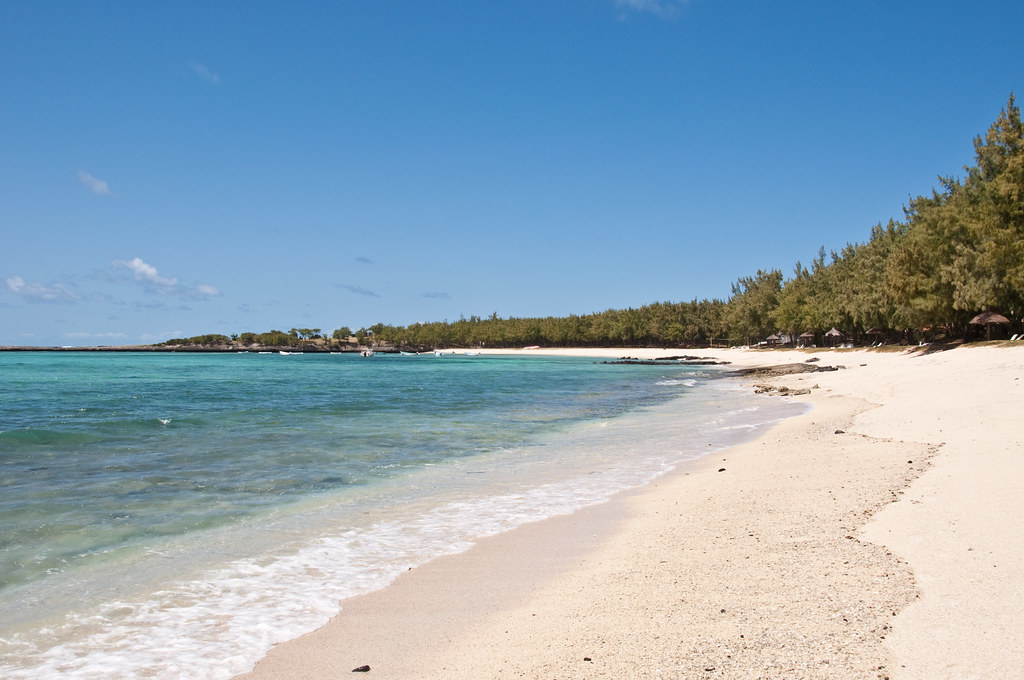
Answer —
663 324
209 340
959 251
276 339
753 305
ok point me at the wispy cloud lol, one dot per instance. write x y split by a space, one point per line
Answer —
207 290
94 184
364 260
149 305
199 292
148 276
38 292
204 73
150 338
437 296
94 336
145 272
359 291
661 8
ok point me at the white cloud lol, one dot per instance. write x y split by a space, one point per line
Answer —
150 338
204 73
657 7
207 291
94 184
145 272
148 275
82 335
37 292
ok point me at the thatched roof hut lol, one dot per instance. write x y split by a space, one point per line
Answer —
986 318
989 319
834 335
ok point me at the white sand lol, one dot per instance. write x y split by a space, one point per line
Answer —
793 561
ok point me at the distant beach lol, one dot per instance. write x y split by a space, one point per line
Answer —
875 536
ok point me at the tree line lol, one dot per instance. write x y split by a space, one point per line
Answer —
955 253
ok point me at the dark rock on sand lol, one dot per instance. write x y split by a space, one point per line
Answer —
668 361
781 369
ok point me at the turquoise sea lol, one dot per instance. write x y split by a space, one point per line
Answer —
175 515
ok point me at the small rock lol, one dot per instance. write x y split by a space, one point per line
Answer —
587 658
721 469
840 432
361 669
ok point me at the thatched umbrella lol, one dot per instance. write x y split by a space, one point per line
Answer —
833 334
875 330
804 337
989 319
773 339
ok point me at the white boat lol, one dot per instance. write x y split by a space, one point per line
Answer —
367 353
407 354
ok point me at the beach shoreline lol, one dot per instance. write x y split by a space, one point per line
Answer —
783 557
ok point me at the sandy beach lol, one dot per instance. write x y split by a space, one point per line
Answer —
876 536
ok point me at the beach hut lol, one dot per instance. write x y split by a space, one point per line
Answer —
773 340
833 336
806 339
989 319
876 331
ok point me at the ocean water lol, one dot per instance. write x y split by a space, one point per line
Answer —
176 515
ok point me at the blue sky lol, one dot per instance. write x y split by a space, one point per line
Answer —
177 168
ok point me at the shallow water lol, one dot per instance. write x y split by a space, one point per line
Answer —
175 515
